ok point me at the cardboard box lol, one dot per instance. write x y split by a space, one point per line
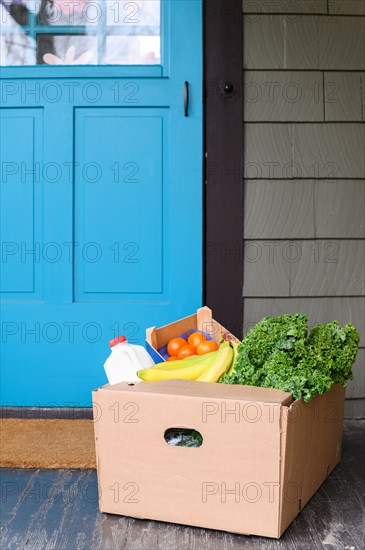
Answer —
262 457
202 320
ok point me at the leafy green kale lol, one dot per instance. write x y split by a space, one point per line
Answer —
283 374
287 333
333 349
277 353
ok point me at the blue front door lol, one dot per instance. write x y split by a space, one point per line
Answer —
101 186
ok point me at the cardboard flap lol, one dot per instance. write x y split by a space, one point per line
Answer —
192 388
204 319
151 337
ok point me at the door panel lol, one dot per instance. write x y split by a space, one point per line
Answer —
118 202
101 210
21 203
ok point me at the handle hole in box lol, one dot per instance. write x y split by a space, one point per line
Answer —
183 437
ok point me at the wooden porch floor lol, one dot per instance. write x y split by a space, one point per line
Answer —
57 509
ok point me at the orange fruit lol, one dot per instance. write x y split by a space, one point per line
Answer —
172 358
175 344
206 347
195 338
186 351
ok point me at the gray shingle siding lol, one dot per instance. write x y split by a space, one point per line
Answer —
304 165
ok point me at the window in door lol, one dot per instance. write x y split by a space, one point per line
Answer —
80 32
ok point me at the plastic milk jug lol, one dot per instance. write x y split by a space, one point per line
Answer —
125 360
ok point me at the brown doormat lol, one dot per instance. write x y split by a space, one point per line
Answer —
46 443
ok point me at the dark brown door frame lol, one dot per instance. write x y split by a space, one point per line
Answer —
223 55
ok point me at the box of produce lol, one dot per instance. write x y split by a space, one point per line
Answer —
189 336
238 438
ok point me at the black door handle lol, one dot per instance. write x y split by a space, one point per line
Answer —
186 98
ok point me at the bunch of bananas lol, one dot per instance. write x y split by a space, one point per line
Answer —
204 368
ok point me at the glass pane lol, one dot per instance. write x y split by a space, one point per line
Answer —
67 49
132 50
17 48
71 12
80 32
17 11
136 13
91 12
